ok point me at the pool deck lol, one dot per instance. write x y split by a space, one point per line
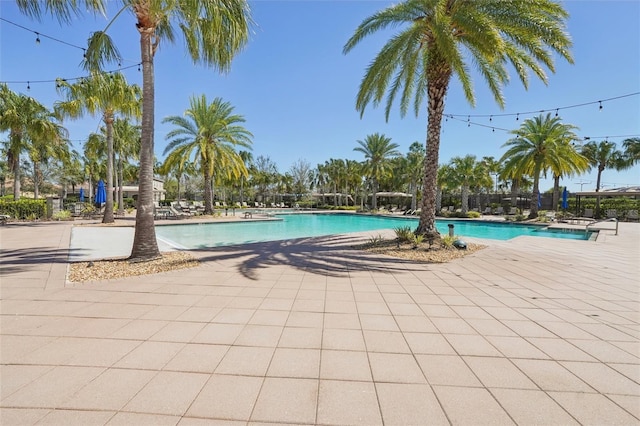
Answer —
527 331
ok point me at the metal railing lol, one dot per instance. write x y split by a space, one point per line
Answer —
610 219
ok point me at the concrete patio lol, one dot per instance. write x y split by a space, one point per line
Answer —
526 331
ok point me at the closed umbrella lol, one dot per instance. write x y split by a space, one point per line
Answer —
81 195
539 200
565 198
101 193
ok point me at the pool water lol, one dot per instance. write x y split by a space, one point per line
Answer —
290 226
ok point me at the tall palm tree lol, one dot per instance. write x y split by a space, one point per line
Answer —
107 95
415 166
539 143
464 175
632 150
43 147
126 146
604 155
214 30
28 123
377 150
431 47
567 161
208 135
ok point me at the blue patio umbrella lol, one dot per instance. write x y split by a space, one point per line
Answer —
565 198
81 195
101 193
539 200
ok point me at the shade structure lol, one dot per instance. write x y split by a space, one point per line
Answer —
81 195
101 193
565 198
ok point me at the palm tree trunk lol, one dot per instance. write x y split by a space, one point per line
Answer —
515 187
438 199
533 205
108 208
145 245
14 161
120 186
556 192
36 191
438 76
208 191
465 199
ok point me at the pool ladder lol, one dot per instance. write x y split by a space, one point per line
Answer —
611 219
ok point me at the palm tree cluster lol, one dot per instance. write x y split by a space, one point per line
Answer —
436 41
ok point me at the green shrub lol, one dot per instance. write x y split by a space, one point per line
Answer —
62 215
24 209
473 214
447 241
404 234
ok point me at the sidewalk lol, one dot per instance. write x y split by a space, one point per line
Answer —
526 331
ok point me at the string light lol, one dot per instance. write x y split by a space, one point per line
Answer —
57 80
37 38
556 109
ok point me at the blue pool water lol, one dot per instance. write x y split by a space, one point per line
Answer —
292 226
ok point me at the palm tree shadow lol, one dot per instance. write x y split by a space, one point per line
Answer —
21 260
332 256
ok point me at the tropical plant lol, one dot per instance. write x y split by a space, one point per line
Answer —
422 58
126 146
539 143
30 124
603 155
464 173
414 170
632 150
377 150
208 135
566 161
214 31
107 95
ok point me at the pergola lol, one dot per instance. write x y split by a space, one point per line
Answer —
629 191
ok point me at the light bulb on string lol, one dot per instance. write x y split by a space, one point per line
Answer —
138 67
491 118
517 116
28 86
37 38
556 112
600 102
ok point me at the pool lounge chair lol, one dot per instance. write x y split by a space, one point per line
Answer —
612 214
487 210
632 215
500 210
588 213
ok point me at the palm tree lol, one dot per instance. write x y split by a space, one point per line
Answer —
567 161
126 146
422 58
377 150
538 145
208 135
414 170
29 123
108 95
214 30
632 150
463 173
43 147
603 155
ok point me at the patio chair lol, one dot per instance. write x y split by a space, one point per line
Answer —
632 215
513 211
487 210
500 210
612 214
4 218
588 213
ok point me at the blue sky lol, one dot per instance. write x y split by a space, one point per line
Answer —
297 90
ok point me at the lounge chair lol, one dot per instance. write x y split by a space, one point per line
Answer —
487 210
4 218
500 210
612 214
632 215
588 213
513 211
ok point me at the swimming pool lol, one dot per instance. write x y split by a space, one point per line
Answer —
290 226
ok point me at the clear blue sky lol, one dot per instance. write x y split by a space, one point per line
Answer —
297 90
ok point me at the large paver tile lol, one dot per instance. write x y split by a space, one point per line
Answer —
150 355
227 397
168 393
532 407
471 406
498 373
76 417
603 378
247 361
285 400
593 409
197 358
395 368
409 404
128 419
551 376
345 365
348 403
301 337
447 370
295 363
